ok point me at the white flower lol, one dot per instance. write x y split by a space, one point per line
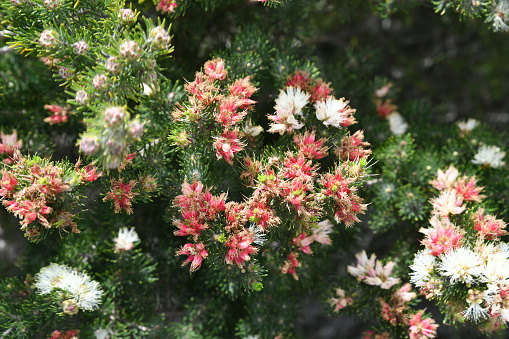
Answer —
467 126
332 111
475 312
125 239
423 265
448 202
321 233
86 292
102 334
489 155
501 14
252 130
292 101
397 123
364 265
463 265
50 277
504 314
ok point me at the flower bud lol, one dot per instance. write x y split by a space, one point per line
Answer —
126 16
80 47
48 40
89 145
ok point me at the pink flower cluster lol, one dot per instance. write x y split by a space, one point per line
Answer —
228 103
197 207
31 188
371 272
340 187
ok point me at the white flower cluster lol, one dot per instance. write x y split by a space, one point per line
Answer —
82 291
371 271
484 271
490 156
291 102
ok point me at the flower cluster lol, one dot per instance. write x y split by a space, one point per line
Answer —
340 188
198 208
209 96
34 190
301 90
394 307
387 110
465 265
371 272
79 291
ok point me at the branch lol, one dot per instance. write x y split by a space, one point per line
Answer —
6 49
4 33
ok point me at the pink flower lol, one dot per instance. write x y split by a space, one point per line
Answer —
10 142
320 91
166 6
121 194
7 184
440 239
228 145
299 79
468 190
341 301
240 248
352 147
302 241
488 225
311 148
89 173
383 91
385 108
404 294
422 328
297 167
215 69
228 113
196 254
321 232
445 180
291 264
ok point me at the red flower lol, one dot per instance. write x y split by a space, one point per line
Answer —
121 194
196 254
299 79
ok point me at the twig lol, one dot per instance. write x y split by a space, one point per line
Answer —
6 49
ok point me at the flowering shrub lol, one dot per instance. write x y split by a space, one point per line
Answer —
217 168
